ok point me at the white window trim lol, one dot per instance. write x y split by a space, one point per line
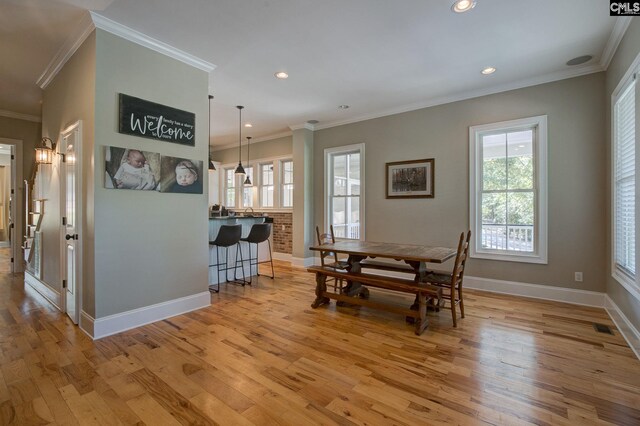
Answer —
260 185
256 183
540 254
327 183
224 187
282 183
631 285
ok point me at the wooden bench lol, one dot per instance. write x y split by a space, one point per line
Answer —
424 292
387 266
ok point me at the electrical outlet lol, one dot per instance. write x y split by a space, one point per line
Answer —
578 277
283 227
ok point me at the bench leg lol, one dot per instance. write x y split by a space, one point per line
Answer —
421 322
321 288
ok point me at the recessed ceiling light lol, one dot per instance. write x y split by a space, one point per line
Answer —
248 125
343 106
281 75
463 5
579 60
488 70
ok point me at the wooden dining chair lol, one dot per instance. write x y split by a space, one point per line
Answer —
333 261
451 283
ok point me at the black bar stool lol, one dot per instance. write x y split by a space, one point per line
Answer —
228 235
259 233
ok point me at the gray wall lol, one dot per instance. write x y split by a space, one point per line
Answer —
67 99
625 55
272 148
26 131
150 247
577 169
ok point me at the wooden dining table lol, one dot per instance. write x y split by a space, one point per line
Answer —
408 258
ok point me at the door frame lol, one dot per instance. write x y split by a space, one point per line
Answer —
77 126
17 211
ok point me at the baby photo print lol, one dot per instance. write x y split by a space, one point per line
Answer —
128 168
180 175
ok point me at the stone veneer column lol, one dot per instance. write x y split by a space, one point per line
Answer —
302 196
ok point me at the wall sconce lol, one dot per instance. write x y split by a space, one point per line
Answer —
44 154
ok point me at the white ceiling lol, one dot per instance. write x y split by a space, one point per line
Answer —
377 56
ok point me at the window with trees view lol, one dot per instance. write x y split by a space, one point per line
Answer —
508 196
344 190
624 179
287 183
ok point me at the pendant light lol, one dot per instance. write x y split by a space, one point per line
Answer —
212 166
247 181
240 169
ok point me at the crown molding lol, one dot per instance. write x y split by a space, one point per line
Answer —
91 21
72 43
17 115
253 141
307 126
548 78
619 29
137 37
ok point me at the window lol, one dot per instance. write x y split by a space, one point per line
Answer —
247 191
624 185
287 183
230 187
508 196
266 185
344 191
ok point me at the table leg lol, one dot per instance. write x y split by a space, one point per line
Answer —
354 288
321 288
422 321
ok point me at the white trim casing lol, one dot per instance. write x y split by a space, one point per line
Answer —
19 116
536 291
137 37
628 331
632 286
93 20
117 323
48 292
540 161
327 183
286 257
302 262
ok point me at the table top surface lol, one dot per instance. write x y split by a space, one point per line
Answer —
409 252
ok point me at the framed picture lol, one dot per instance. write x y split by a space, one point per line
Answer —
181 175
410 179
128 168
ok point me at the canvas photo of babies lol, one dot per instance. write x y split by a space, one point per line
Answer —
128 168
181 175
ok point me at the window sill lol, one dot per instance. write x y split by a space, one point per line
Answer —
537 259
627 283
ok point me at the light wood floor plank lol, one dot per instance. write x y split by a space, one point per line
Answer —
261 356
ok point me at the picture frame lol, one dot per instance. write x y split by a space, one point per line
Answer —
410 179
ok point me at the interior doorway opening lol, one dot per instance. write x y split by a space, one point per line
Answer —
11 231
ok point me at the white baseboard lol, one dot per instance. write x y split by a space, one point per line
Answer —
628 331
536 291
282 256
117 323
302 262
49 293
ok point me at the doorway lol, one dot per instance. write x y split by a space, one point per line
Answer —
11 206
71 213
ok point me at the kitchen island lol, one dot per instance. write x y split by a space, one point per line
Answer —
246 221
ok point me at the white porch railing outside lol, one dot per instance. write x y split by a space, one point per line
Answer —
508 237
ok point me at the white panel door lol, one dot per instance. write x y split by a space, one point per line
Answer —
70 144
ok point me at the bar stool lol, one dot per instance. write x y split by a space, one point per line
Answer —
259 233
228 235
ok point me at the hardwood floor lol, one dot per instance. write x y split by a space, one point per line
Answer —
260 355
